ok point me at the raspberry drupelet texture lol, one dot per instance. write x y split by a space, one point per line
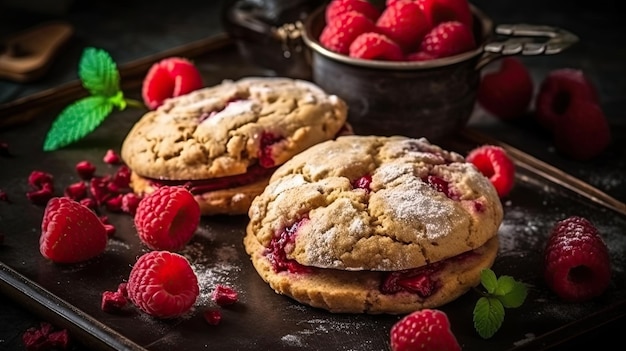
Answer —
71 232
167 218
163 284
577 263
426 329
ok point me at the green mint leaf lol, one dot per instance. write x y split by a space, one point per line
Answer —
488 280
488 316
98 72
515 296
76 121
504 285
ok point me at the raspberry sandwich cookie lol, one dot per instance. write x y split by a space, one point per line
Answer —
371 224
224 142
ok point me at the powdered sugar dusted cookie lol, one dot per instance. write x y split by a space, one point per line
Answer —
374 224
221 140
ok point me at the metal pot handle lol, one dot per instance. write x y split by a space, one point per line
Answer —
524 41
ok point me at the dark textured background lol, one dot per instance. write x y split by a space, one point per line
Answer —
131 30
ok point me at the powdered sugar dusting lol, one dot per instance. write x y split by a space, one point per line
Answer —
213 266
309 331
410 201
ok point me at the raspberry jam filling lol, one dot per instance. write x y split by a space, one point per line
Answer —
441 185
268 139
362 182
420 280
206 185
281 243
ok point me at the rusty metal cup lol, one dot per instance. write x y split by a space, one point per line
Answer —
433 98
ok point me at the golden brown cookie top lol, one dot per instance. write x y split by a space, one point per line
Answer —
376 203
223 130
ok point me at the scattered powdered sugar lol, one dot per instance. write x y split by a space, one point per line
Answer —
231 110
528 337
213 266
311 329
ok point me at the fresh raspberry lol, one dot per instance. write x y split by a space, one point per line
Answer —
405 23
494 163
167 218
583 132
338 7
447 39
558 90
338 35
426 329
439 11
419 56
374 46
506 93
170 77
163 284
224 295
577 263
71 232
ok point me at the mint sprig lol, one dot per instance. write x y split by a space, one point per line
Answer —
99 75
499 293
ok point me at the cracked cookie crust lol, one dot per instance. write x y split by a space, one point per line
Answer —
236 132
372 205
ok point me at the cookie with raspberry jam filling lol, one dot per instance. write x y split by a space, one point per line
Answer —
223 142
369 224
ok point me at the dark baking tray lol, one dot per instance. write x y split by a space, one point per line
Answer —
69 295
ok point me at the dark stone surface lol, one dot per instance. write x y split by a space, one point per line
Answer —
133 29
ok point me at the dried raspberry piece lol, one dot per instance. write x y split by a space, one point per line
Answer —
338 35
447 39
85 170
39 179
41 196
76 191
130 201
89 202
113 301
558 90
506 92
98 187
426 329
404 22
111 157
71 232
339 7
577 263
163 284
170 77
167 218
212 316
114 203
374 46
583 131
45 338
494 163
224 295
